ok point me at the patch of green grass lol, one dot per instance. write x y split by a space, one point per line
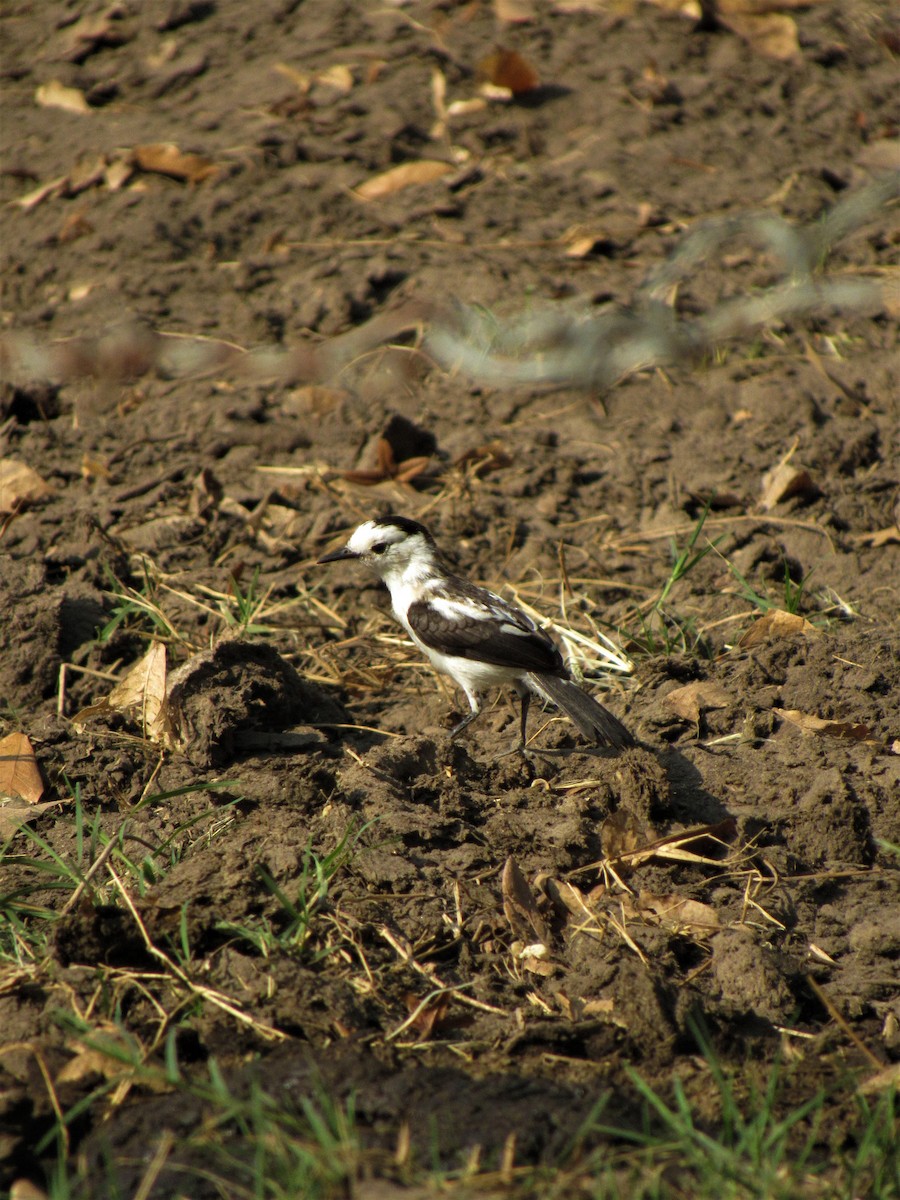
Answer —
137 610
26 912
243 1141
292 928
660 630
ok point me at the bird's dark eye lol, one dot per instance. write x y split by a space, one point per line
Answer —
379 547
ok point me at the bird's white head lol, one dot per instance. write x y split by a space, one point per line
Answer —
393 547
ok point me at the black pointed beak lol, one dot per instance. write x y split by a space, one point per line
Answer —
337 555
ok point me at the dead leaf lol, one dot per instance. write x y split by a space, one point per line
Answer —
677 911
24 1189
117 173
14 814
878 537
673 846
776 623
20 774
785 480
94 1060
514 11
621 833
75 225
772 34
692 699
165 158
430 1017
56 95
814 726
482 460
519 905
56 187
508 69
20 485
339 77
411 174
143 691
402 454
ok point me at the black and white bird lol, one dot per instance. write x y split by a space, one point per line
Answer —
469 633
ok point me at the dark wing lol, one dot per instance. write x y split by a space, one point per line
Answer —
469 622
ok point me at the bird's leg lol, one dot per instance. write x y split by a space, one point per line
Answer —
525 695
476 711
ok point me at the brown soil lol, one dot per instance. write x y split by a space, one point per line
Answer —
644 124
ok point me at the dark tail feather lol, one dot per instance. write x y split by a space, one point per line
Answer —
595 722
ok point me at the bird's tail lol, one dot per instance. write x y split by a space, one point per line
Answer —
595 722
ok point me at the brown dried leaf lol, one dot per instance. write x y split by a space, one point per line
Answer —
692 699
673 846
94 1060
514 11
785 480
622 833
143 691
519 905
878 537
165 158
482 460
56 187
20 774
20 485
14 814
24 1189
772 34
56 95
508 69
339 77
429 1018
411 174
814 726
678 911
776 623
117 173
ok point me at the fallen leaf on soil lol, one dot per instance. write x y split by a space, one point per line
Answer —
143 693
20 485
402 453
75 225
772 34
94 1060
514 11
761 23
24 1189
519 905
785 480
878 537
810 724
14 814
692 699
165 158
672 909
776 623
508 69
411 174
429 1018
621 833
481 460
889 1077
20 774
339 77
56 95
117 173
32 199
673 846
